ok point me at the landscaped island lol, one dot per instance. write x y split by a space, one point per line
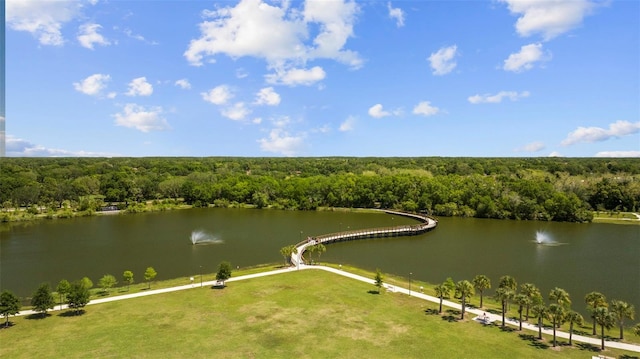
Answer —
558 189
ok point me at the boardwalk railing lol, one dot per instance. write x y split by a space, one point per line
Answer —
428 224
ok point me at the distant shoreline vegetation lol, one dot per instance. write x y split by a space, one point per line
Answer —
546 189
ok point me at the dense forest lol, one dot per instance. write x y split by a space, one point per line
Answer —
558 189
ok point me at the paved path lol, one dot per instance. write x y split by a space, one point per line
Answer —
478 312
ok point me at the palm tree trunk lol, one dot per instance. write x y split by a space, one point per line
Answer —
602 336
480 299
527 316
462 315
440 310
539 328
570 332
554 332
504 309
520 319
621 331
594 325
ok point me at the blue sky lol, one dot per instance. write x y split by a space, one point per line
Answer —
323 78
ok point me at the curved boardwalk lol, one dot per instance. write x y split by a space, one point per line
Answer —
427 224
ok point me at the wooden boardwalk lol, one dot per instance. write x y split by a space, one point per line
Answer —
427 224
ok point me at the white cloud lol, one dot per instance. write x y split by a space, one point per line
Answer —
183 84
599 134
236 112
280 141
295 77
139 87
618 154
555 154
532 147
377 111
348 124
257 120
267 96
88 36
524 60
497 98
549 18
218 95
17 147
43 19
92 85
424 108
241 73
397 14
240 31
142 119
442 61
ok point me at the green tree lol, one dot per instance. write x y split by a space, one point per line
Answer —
560 296
107 281
556 314
42 299
149 275
540 312
593 301
480 283
522 301
78 296
442 291
9 305
622 310
533 293
464 289
450 284
87 283
320 248
63 288
636 329
127 277
605 319
378 280
287 252
573 317
508 282
504 295
224 272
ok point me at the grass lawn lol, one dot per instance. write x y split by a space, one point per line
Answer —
615 217
304 314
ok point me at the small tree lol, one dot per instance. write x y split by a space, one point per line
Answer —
504 295
480 283
556 314
593 301
442 290
573 317
9 305
78 296
127 277
540 312
87 283
149 274
622 310
107 281
533 293
224 272
287 252
378 280
320 248
42 299
62 289
450 284
522 301
464 289
605 319
636 329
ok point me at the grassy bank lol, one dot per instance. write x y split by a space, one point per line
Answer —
305 314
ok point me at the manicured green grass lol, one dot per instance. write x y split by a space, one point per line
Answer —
302 314
615 218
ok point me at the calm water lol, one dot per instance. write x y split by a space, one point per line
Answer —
585 257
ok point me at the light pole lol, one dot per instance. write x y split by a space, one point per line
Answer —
410 274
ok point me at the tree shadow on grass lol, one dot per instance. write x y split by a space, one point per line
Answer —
452 316
507 329
37 316
494 311
534 341
7 325
430 311
72 313
588 347
373 291
625 356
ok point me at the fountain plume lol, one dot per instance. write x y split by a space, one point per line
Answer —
202 237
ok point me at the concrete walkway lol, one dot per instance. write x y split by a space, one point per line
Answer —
478 312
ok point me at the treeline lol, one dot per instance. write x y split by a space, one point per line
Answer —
558 189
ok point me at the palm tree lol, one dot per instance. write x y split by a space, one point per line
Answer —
504 295
540 312
311 250
595 300
556 314
533 293
560 296
522 301
605 319
378 280
622 310
480 283
636 329
573 317
441 291
464 289
507 281
320 248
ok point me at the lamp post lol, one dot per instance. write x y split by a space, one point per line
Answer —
410 274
